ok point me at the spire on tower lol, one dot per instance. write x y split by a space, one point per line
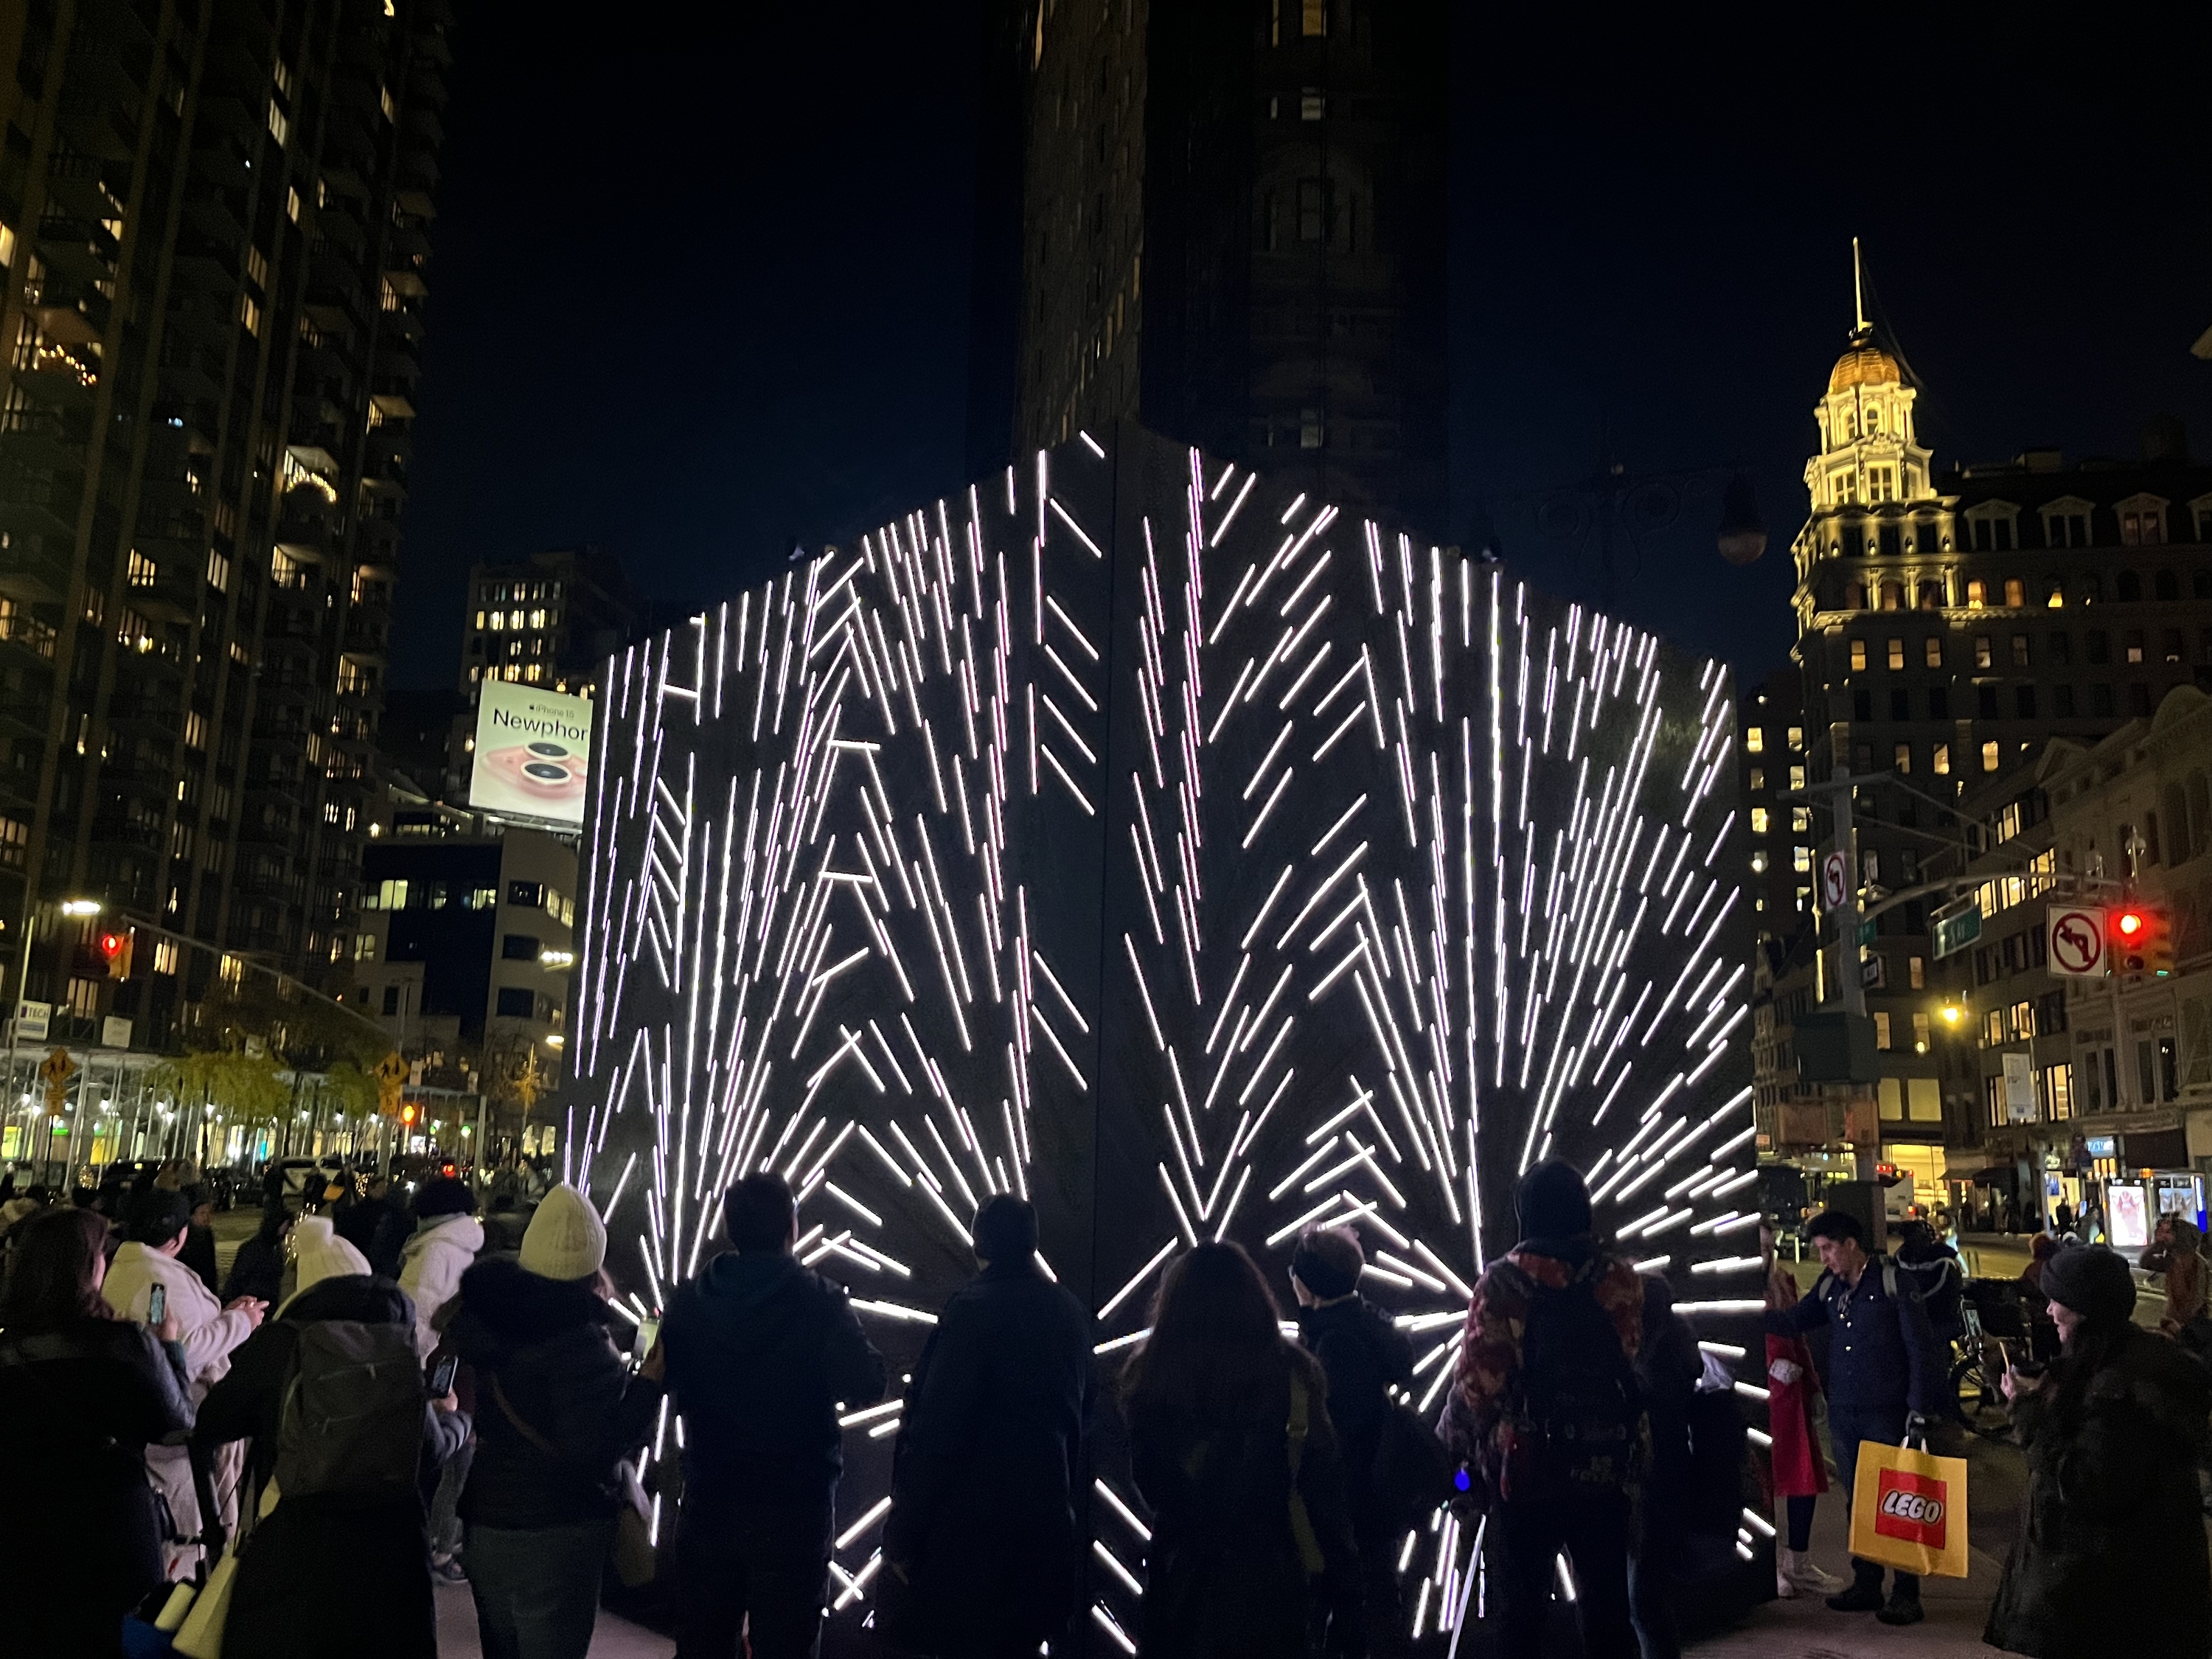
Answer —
1858 294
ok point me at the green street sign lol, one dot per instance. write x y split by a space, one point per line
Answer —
1956 932
1866 931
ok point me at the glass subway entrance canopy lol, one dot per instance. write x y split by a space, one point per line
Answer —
1137 833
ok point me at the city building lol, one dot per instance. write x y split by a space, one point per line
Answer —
552 619
2118 1065
1230 223
215 221
1950 624
463 951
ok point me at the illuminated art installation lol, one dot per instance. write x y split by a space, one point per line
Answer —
1140 834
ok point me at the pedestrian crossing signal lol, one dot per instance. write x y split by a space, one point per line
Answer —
115 952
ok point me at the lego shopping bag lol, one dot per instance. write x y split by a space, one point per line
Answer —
1909 1511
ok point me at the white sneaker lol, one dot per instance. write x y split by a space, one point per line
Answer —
1784 1587
1807 1577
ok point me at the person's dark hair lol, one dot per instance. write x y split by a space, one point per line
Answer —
50 1271
1839 1224
1216 1354
1327 1261
1006 1228
275 1219
446 1195
1552 1201
2041 1249
759 1210
159 1216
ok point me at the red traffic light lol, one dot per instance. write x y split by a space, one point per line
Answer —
2129 924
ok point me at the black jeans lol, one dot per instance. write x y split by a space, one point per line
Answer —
1525 1538
759 1567
1847 1427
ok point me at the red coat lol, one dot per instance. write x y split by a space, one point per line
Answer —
1799 1469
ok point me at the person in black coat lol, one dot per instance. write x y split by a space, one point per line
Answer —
982 1532
1363 1355
761 1352
358 1219
556 1410
199 1253
2111 1559
82 1392
258 1269
1251 1554
335 1573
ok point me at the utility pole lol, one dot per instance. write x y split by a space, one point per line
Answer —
1842 902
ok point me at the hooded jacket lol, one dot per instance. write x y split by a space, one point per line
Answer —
540 1351
2181 1260
431 1269
762 1354
210 1336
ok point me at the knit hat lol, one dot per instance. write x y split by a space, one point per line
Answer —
2094 1282
1553 1200
323 1254
566 1239
443 1197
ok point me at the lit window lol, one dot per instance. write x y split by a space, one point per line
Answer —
1989 755
1802 860
1858 655
1800 819
2016 593
1985 654
1897 653
279 128
1881 1031
1797 777
250 314
1311 105
1796 741
1931 651
1939 760
1759 816
1901 758
1917 972
1313 18
1754 739
1758 862
1758 779
1978 595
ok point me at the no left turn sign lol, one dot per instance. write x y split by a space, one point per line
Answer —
1835 879
2076 942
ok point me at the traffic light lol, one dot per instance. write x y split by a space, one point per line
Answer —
407 1116
2140 939
115 952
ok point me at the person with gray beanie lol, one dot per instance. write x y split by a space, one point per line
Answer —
982 1543
556 1410
2112 1556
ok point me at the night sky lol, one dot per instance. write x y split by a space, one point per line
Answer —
702 291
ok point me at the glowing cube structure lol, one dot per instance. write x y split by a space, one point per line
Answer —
1135 833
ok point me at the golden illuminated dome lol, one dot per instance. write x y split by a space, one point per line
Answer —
1864 365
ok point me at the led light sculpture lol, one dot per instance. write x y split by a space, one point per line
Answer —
1137 834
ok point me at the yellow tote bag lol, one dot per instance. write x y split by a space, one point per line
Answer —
1909 1511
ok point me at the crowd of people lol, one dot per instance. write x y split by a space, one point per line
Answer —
381 1396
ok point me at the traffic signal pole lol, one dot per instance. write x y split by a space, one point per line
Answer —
1850 990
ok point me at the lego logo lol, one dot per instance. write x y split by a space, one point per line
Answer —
1912 1506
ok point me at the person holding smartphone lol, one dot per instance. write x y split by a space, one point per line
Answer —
557 1408
2112 1557
158 1228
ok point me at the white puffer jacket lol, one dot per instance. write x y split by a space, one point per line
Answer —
431 1266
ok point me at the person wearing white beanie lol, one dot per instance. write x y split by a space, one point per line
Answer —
321 1254
557 1408
566 1239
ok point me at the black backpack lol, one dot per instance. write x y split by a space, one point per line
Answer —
1579 1422
352 1417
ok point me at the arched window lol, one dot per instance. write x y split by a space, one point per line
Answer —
1931 596
1851 425
1873 420
1977 594
2016 593
2092 590
2055 594
2167 585
2130 586
1854 597
1893 596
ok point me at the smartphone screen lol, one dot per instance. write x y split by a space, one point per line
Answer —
157 1304
441 1380
648 1333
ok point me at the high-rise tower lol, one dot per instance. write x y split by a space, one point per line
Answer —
215 218
1232 224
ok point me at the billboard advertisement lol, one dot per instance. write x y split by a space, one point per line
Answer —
534 752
